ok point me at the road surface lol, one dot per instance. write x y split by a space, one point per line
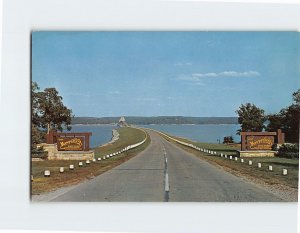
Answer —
163 172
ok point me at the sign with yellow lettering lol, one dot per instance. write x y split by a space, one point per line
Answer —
260 142
70 144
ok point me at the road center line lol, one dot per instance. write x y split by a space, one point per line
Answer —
166 176
167 188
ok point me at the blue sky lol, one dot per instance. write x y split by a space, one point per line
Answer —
167 73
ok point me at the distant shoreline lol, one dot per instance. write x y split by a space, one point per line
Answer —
176 120
96 124
89 124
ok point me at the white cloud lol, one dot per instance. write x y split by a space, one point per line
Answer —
200 75
183 64
250 73
192 79
196 77
187 78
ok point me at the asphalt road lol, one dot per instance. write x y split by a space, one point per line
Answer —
164 172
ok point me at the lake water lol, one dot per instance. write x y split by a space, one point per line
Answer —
203 133
100 133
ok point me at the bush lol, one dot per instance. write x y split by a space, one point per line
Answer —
275 147
37 136
288 150
228 139
39 153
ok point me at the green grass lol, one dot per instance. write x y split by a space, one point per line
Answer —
230 149
57 180
127 136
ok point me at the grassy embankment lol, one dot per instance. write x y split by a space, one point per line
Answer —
274 177
128 136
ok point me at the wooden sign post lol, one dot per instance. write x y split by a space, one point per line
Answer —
70 141
261 142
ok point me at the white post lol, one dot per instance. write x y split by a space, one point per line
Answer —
250 162
242 160
80 164
235 158
284 172
61 169
88 162
270 168
71 167
99 159
94 160
230 157
259 165
226 156
47 173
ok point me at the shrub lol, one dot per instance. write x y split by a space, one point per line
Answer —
228 139
39 153
275 147
288 150
37 136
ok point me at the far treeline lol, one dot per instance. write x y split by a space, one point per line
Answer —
156 120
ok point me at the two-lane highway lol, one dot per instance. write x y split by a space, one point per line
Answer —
165 172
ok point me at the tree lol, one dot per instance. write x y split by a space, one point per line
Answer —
290 123
275 121
35 96
53 114
48 110
296 97
37 134
251 118
287 120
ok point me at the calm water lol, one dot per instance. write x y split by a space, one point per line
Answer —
200 133
100 133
